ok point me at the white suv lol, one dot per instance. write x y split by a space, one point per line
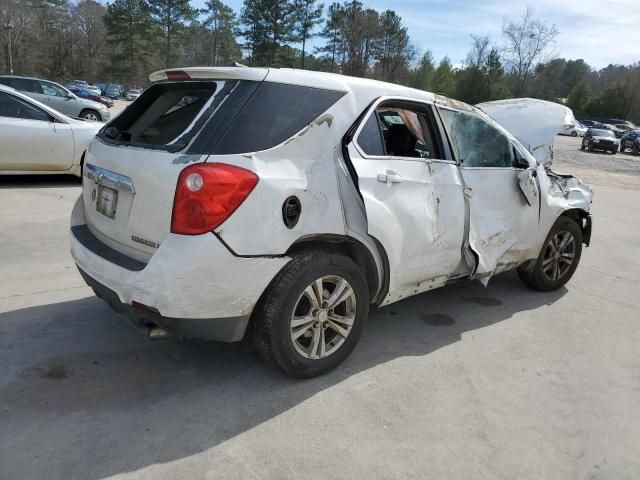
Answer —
284 203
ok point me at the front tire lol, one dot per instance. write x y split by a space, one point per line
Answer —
635 150
574 134
312 315
89 114
558 259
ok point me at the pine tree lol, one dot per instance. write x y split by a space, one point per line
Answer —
170 16
579 97
422 77
332 33
269 26
307 15
129 30
444 79
223 26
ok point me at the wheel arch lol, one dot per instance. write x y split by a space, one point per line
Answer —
356 251
583 219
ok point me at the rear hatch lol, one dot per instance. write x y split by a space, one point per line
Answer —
132 167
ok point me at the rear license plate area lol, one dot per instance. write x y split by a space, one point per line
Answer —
107 201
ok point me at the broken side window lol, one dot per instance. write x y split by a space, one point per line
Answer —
477 142
272 114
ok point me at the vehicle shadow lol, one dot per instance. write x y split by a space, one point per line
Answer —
38 181
79 385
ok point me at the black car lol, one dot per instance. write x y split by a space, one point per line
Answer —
600 139
631 141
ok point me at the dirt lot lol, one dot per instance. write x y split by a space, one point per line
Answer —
459 383
621 170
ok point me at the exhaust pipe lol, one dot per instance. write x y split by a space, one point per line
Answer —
157 333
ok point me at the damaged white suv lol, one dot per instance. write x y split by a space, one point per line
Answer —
284 203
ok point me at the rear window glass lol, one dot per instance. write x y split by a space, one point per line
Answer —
165 116
272 114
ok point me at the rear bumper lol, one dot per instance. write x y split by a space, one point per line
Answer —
229 329
193 285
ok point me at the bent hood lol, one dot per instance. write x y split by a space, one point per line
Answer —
535 123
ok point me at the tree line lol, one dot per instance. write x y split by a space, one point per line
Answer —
124 40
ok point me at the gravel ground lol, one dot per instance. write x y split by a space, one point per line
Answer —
119 106
619 170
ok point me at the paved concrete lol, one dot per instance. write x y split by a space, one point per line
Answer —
459 383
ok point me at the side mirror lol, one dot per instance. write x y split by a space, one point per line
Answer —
522 162
519 161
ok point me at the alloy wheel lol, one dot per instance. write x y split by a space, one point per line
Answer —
323 317
558 256
91 116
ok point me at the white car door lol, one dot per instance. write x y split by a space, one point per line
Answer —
412 193
31 139
501 188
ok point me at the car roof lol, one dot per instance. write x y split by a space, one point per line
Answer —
294 76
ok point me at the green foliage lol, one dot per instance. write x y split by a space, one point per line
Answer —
170 16
269 26
422 76
444 81
130 37
307 16
579 97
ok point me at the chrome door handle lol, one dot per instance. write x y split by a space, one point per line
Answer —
389 177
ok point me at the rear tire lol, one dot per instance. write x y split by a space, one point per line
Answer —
552 269
635 150
306 333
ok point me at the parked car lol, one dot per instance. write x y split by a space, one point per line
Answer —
57 97
37 139
575 130
618 121
103 87
133 93
631 141
616 131
93 89
114 91
294 201
80 83
84 93
600 139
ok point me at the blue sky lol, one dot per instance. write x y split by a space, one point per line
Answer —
599 31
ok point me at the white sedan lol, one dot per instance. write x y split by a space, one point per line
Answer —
575 130
37 139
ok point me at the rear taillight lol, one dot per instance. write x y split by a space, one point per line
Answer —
207 194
